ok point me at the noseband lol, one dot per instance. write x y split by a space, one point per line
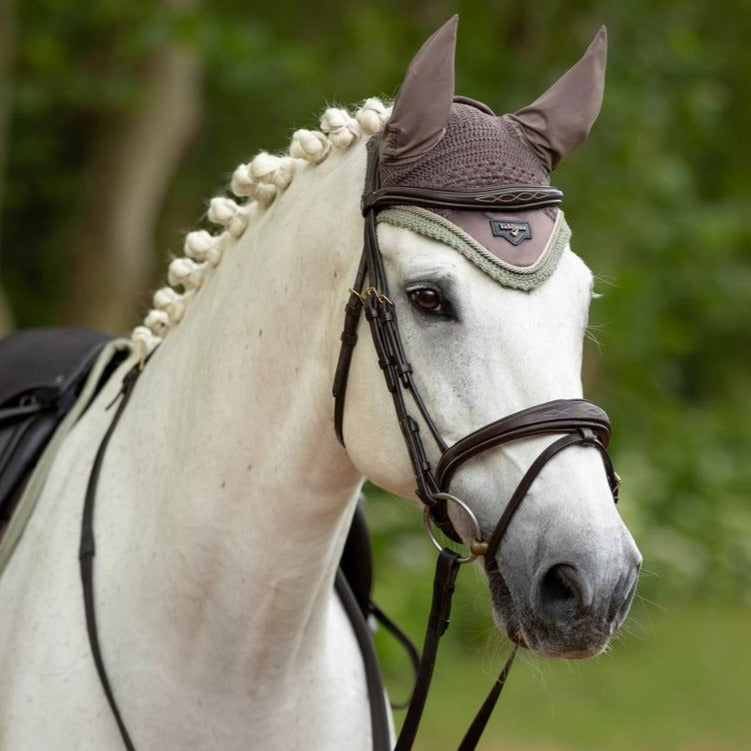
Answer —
577 422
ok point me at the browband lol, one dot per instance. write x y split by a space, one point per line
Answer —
499 199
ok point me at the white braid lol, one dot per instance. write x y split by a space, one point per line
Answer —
264 193
221 210
228 214
262 170
311 145
273 170
242 182
342 129
260 180
284 172
186 273
158 321
263 166
373 116
171 302
201 246
239 223
144 341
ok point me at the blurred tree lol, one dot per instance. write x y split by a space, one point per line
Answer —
658 199
131 158
7 46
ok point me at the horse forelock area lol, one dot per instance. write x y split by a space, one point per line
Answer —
256 185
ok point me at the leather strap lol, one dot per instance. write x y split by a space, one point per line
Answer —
501 198
349 339
444 581
379 717
583 436
475 730
558 416
406 642
447 568
87 551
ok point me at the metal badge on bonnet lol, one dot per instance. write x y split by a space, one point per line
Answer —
514 232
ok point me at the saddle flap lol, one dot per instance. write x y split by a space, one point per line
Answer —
41 373
42 363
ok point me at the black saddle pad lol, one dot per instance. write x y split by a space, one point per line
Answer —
37 361
41 373
357 561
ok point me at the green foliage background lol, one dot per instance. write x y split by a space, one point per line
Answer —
658 199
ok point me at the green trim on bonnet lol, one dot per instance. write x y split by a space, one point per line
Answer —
436 227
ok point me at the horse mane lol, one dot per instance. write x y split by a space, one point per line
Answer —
256 183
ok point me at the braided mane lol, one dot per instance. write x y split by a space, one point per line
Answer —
257 184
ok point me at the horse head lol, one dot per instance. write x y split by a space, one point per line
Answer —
492 308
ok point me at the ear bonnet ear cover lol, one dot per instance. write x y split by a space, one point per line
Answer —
438 141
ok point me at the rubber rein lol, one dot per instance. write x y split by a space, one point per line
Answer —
578 423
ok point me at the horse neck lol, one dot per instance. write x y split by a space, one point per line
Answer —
245 479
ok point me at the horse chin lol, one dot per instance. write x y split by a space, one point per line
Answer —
576 640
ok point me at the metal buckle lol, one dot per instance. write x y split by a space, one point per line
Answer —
371 292
477 546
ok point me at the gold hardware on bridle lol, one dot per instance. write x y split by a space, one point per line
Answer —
478 547
371 292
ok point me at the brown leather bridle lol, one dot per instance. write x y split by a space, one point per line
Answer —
578 422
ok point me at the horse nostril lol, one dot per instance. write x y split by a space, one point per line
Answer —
562 592
559 583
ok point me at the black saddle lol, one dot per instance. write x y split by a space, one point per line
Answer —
41 373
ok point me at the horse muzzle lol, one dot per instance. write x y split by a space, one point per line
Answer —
567 606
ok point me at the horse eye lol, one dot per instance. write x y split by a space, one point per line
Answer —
427 299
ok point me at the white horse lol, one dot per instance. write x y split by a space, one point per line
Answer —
225 498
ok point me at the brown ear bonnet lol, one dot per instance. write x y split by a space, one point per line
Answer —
439 141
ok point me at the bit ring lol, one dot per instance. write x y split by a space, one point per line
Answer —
477 546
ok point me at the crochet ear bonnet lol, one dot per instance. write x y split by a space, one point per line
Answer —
440 141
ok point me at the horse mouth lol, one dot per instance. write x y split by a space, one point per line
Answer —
582 636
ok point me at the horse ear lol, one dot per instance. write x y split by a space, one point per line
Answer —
560 120
422 106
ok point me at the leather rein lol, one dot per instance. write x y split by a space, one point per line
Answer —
578 422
